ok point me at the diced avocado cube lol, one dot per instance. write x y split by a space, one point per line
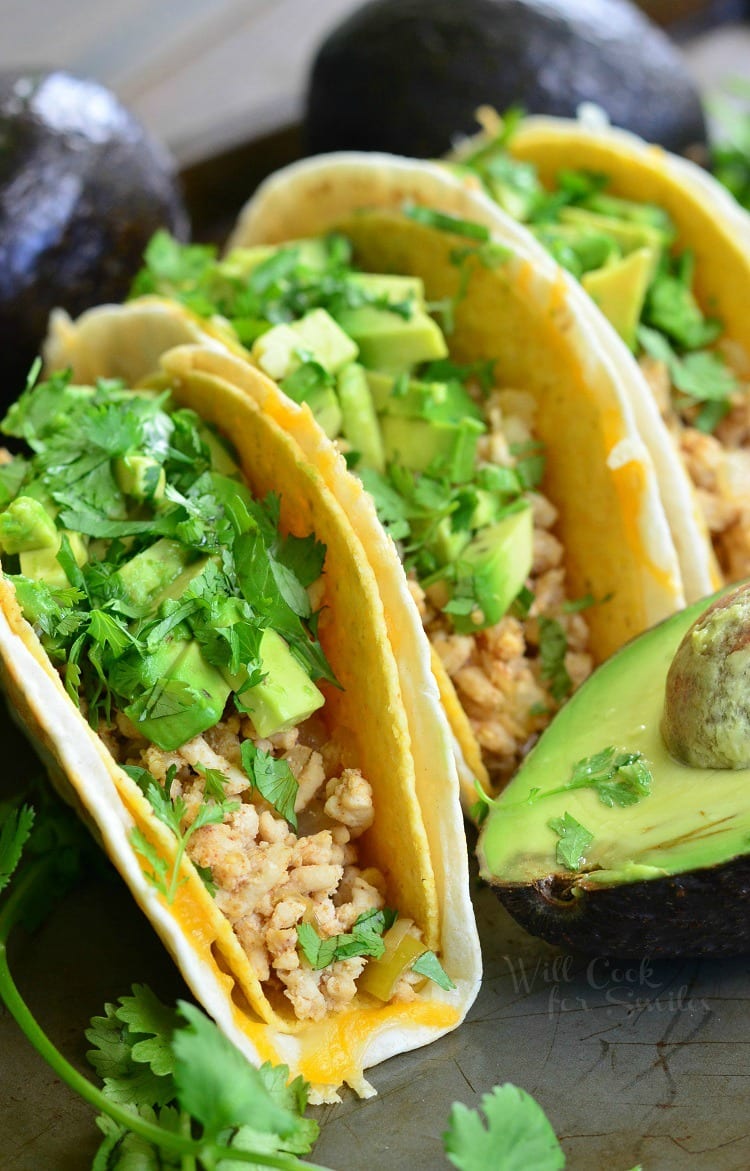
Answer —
25 525
328 343
315 336
439 401
381 387
448 543
222 459
305 386
620 291
148 572
276 352
188 579
396 289
627 234
449 448
287 695
388 341
140 476
359 420
186 700
498 561
42 564
486 510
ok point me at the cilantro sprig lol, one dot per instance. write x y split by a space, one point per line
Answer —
617 776
171 812
176 1093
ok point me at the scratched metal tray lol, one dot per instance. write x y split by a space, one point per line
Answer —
634 1063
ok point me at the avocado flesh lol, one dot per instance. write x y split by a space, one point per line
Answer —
651 873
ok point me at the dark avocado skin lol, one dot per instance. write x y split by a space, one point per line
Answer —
82 189
407 75
700 913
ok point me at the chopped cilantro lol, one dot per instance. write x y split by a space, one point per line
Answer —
273 779
365 939
703 377
106 638
575 839
553 647
429 965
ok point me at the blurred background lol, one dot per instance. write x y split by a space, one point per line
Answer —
208 74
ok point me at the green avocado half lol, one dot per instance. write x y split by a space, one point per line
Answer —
669 874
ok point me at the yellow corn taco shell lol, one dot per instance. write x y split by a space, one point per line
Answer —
533 321
528 317
716 230
395 733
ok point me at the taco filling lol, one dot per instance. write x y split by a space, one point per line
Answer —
452 460
183 622
629 257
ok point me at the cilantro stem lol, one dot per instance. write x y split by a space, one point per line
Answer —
35 878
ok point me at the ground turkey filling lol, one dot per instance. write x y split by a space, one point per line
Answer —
498 672
718 465
268 878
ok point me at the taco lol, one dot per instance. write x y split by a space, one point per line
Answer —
457 370
664 251
193 636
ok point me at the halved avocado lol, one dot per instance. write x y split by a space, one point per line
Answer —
668 875
407 75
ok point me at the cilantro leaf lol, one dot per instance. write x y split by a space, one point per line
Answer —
157 876
273 779
128 1080
217 1085
517 1136
365 939
574 841
15 830
429 965
553 647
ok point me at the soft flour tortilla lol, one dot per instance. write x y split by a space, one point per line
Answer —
397 736
710 223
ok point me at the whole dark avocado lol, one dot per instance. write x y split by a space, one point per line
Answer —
407 75
606 843
82 189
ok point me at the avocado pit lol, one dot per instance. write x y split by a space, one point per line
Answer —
706 721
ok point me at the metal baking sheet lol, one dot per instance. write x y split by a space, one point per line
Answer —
634 1062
